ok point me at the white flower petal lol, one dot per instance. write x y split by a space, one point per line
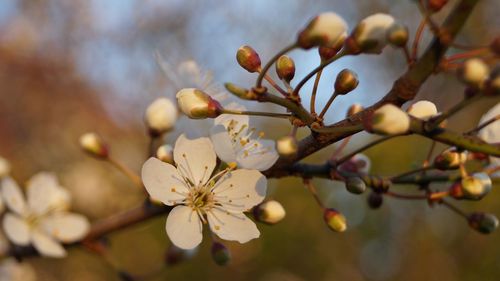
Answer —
46 245
195 159
232 226
44 193
13 196
491 133
241 189
258 161
222 143
163 182
184 227
16 229
66 227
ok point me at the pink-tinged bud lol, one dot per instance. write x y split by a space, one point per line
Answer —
285 68
436 5
370 35
94 145
287 146
335 220
346 81
220 254
397 35
165 153
248 58
473 187
450 159
483 222
270 212
474 72
325 30
354 109
375 200
358 164
160 116
197 104
423 110
387 120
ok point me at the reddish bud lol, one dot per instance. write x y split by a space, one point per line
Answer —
248 58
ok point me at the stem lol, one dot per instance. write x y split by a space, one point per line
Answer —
263 72
483 125
313 191
455 209
408 57
126 171
315 89
332 98
407 196
295 108
416 41
255 113
341 147
336 130
411 172
274 85
434 122
468 54
364 147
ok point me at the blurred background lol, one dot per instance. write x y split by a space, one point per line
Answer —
69 67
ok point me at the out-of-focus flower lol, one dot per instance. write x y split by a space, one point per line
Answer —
370 35
358 164
199 196
474 72
160 116
326 30
220 254
422 110
165 153
94 145
4 167
197 104
450 159
388 120
287 146
398 35
473 187
491 133
233 142
42 219
270 212
12 270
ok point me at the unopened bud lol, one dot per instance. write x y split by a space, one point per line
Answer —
165 153
423 110
355 185
220 254
346 81
326 53
94 145
450 159
354 109
474 72
160 116
196 104
287 146
4 167
270 212
476 186
397 35
375 200
175 255
483 222
285 68
387 120
370 35
248 58
436 5
327 30
358 164
335 220
238 91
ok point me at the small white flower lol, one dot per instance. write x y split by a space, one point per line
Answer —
12 270
201 197
423 110
42 219
371 33
161 115
491 133
327 29
233 142
388 120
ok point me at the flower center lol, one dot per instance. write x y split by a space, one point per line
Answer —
240 139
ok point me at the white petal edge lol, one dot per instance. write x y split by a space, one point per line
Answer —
13 196
16 229
46 245
195 158
241 189
184 227
163 182
232 226
222 143
66 227
260 162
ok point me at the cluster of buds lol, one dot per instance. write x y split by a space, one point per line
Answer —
94 145
387 120
197 104
473 187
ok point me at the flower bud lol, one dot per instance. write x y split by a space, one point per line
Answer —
450 159
474 72
476 186
436 5
240 92
483 222
387 120
346 81
422 110
4 167
375 200
165 153
335 220
355 185
358 164
397 35
285 68
160 116
354 109
248 58
197 104
326 53
270 212
220 254
175 255
370 35
326 30
287 146
94 145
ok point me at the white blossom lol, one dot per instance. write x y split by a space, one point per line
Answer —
42 218
234 142
161 115
491 133
200 197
